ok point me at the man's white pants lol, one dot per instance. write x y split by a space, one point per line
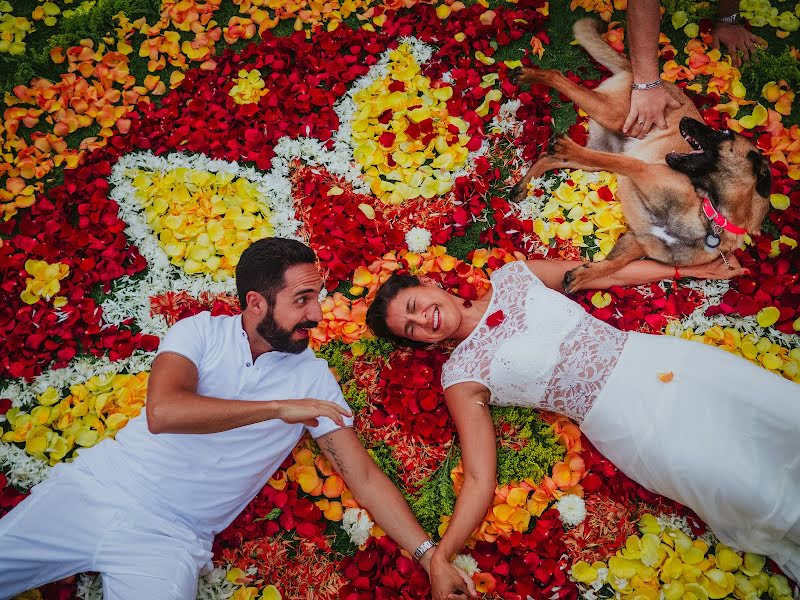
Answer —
71 523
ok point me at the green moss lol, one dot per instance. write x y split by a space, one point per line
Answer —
540 450
383 457
356 397
765 67
460 246
377 347
337 353
437 497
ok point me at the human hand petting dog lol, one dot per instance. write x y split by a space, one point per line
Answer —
647 109
720 268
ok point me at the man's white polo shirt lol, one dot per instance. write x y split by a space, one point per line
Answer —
204 481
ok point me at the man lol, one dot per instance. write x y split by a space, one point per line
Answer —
649 100
228 399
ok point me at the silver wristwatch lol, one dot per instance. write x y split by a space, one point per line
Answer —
730 19
423 548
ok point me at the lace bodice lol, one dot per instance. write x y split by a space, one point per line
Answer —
547 352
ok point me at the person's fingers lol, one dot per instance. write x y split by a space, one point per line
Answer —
470 586
748 47
673 103
343 410
738 272
715 41
333 415
310 422
629 122
645 128
661 121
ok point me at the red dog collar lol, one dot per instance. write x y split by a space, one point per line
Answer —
712 215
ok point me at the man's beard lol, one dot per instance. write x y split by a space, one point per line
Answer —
280 339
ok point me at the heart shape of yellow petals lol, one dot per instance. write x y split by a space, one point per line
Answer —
203 220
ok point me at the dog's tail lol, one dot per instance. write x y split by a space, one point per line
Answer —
587 32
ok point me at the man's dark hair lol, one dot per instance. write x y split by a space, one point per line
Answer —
262 266
376 313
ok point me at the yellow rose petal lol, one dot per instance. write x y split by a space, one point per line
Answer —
768 316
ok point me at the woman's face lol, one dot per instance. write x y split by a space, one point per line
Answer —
425 313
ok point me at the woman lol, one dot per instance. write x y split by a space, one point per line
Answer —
720 436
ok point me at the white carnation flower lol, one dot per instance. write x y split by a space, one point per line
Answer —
572 510
418 239
466 563
356 523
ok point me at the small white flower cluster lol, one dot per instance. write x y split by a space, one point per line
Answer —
418 239
90 587
215 586
571 509
22 470
356 523
466 563
505 121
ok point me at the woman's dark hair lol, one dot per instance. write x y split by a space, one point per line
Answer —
376 313
263 264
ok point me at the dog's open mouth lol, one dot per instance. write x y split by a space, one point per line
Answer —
699 158
696 147
684 127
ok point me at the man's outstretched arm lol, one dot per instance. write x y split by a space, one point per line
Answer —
174 406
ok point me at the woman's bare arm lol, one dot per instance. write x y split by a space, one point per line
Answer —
467 403
551 272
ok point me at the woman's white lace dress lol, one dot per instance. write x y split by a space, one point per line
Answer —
723 437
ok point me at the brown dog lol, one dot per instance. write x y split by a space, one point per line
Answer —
688 192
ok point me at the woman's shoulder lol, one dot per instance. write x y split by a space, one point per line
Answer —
511 278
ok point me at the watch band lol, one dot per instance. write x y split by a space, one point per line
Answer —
730 19
423 548
646 86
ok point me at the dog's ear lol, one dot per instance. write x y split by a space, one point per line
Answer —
763 176
762 172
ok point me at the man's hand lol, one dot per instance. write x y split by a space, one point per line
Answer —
647 109
308 410
449 582
737 41
716 269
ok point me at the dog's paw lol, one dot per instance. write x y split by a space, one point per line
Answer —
572 279
562 147
521 76
518 192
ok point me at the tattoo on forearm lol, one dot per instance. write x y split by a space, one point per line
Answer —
330 447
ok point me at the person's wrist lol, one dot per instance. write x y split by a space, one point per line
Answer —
645 86
427 558
424 548
731 19
275 409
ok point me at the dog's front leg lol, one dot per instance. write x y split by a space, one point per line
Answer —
574 156
627 249
544 164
